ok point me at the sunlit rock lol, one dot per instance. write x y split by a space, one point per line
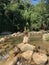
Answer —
14 34
27 55
3 39
16 51
45 36
25 47
18 33
39 58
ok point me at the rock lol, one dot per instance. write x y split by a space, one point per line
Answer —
26 56
21 34
14 34
0 57
20 45
45 36
25 39
47 52
25 47
16 51
39 58
21 61
35 33
18 63
3 39
5 57
10 61
18 33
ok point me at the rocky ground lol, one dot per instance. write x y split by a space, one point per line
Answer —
34 53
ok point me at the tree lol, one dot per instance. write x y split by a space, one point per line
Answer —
16 14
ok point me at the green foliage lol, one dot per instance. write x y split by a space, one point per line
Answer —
15 14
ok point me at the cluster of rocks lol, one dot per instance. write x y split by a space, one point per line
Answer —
16 34
5 38
30 55
27 54
38 33
44 36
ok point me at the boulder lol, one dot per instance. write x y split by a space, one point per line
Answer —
14 34
16 51
45 36
3 39
20 45
5 57
21 34
26 56
18 33
35 33
39 58
25 47
2 50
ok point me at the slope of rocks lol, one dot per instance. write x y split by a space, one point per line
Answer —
21 54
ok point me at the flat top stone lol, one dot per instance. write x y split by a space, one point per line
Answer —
25 47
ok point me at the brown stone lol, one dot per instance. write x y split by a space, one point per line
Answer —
25 47
27 55
39 58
